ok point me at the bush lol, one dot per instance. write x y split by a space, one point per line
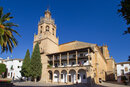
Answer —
2 68
5 81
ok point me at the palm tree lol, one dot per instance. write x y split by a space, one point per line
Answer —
7 39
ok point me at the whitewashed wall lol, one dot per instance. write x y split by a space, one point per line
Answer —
119 68
15 72
119 72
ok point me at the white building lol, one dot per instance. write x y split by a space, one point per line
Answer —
123 69
13 67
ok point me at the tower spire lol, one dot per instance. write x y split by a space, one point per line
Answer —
47 13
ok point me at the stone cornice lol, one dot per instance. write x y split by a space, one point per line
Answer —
44 39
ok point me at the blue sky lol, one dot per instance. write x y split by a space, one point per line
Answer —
92 21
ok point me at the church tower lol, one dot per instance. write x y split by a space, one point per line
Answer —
48 42
46 37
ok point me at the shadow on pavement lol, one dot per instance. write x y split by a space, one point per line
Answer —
75 85
115 82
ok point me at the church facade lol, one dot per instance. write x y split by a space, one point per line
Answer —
72 62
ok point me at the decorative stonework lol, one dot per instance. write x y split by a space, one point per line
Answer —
46 20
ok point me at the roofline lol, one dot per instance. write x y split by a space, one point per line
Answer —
67 51
12 59
75 41
68 42
124 62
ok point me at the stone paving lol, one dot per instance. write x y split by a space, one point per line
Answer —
114 84
38 84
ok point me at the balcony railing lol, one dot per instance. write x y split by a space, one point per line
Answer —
70 58
70 65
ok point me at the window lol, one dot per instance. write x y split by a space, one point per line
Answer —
126 69
53 31
18 66
84 77
12 67
47 28
19 60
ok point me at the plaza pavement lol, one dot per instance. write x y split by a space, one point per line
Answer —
38 84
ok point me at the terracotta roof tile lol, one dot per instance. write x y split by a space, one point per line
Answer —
74 45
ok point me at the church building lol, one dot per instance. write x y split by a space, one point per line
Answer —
72 62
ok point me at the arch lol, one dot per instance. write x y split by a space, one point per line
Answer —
56 76
82 77
72 76
50 75
47 28
64 76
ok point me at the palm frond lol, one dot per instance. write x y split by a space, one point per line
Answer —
4 18
10 24
14 31
7 40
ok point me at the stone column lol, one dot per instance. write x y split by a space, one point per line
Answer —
52 76
76 57
89 55
53 60
88 76
67 76
76 76
60 60
59 76
67 58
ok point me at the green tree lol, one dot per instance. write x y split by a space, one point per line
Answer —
2 68
125 13
26 65
7 39
36 65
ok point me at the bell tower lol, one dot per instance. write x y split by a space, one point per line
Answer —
48 42
46 37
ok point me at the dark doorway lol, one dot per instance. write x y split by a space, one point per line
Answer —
69 78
